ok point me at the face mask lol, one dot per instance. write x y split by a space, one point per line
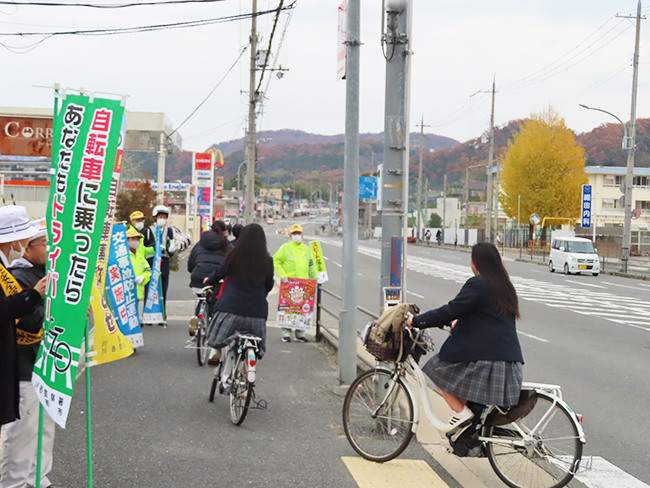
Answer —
134 244
161 222
13 255
297 238
139 225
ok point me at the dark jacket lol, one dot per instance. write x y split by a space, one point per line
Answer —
11 308
207 256
27 275
241 297
149 234
481 333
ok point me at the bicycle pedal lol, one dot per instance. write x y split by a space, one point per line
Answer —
454 435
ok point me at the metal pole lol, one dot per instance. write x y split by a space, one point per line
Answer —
419 208
593 215
251 136
161 169
496 199
89 435
466 198
347 353
519 223
444 206
426 203
629 177
396 142
488 207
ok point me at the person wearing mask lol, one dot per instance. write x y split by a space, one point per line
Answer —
137 224
167 246
18 399
141 267
294 260
481 361
242 307
236 231
19 455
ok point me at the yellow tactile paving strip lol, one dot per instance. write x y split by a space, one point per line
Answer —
398 473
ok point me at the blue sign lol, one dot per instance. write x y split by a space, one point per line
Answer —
368 187
154 313
121 288
586 213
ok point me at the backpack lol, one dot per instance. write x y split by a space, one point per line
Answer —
384 337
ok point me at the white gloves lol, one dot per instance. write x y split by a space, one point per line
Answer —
172 247
139 280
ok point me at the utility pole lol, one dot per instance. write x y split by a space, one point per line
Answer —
426 202
347 353
396 38
162 154
418 206
488 206
496 198
251 135
444 206
631 149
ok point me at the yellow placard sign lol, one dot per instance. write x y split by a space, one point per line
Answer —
319 261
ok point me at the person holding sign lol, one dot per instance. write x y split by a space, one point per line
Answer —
18 455
167 245
16 398
294 260
141 267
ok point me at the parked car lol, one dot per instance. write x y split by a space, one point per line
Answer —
574 255
270 221
182 239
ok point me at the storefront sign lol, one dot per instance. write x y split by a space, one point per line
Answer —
25 136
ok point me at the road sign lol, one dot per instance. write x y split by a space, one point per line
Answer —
535 219
368 187
585 216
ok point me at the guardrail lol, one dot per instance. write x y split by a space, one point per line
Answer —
320 307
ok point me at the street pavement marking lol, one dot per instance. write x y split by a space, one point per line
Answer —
415 294
531 336
585 284
339 265
604 474
178 317
622 286
397 473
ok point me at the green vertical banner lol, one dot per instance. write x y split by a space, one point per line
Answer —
84 147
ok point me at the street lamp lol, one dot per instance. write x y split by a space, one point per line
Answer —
629 144
238 169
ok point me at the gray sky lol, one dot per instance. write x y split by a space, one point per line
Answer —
546 52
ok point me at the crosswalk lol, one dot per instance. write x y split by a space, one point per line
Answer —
582 298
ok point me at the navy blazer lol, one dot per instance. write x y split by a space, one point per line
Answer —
481 333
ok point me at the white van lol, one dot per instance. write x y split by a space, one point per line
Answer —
313 215
573 255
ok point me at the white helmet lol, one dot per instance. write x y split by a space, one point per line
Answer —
160 209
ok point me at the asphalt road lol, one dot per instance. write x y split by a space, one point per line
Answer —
589 334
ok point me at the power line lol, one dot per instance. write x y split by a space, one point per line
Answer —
275 23
147 28
209 94
102 5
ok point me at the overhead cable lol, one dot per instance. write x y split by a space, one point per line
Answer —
102 5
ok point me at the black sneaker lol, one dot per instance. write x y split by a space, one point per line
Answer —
286 339
301 339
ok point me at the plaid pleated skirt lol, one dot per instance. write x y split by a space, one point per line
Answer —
225 327
483 382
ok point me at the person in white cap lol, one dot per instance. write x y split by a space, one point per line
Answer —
168 246
21 442
15 232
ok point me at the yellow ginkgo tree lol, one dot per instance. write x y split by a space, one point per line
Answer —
545 166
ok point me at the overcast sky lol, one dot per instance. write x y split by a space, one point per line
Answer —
543 53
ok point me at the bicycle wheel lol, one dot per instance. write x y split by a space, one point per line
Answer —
241 392
201 335
378 416
553 457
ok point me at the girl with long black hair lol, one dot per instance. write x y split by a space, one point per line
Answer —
242 306
481 361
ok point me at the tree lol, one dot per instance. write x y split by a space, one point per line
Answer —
546 167
435 220
139 196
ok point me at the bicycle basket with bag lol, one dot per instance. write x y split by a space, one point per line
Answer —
385 338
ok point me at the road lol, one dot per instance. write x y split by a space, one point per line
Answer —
589 334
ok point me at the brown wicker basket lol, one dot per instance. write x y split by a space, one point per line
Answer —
389 350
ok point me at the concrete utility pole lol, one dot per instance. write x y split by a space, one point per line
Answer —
419 205
488 206
467 193
347 354
251 135
394 220
162 154
631 149
426 202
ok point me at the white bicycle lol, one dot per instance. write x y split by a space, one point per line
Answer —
542 449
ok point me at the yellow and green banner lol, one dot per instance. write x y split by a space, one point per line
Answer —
84 149
319 262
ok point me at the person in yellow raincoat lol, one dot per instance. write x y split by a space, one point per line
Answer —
294 260
141 267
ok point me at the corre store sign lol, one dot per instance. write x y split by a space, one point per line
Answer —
25 136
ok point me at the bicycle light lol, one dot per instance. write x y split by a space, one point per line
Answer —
200 315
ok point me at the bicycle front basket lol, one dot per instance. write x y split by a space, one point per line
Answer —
386 350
